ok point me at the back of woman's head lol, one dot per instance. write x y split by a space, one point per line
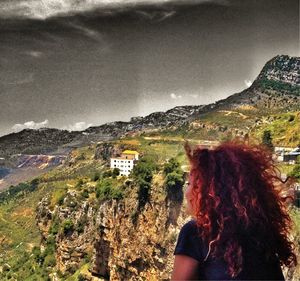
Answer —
236 194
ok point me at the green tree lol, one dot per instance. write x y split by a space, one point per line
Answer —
96 176
144 169
171 166
105 190
142 173
50 261
115 172
107 174
174 180
68 226
267 139
295 172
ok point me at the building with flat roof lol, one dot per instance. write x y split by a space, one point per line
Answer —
125 162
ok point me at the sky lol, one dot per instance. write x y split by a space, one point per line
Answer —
73 64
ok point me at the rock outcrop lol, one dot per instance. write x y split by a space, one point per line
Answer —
119 247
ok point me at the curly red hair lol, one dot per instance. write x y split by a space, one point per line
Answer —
235 191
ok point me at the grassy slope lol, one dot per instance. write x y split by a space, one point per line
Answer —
285 129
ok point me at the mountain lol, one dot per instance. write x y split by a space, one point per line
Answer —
276 90
54 141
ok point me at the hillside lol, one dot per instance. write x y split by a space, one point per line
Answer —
86 219
276 90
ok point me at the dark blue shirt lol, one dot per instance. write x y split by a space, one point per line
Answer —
255 266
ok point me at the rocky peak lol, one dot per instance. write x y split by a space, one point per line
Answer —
282 68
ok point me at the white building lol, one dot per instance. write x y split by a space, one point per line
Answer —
125 162
287 154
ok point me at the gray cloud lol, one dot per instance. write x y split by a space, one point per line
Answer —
156 16
175 97
29 125
194 95
87 31
34 54
248 83
78 126
43 9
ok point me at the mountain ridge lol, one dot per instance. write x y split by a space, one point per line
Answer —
268 94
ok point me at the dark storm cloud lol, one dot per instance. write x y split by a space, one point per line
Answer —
36 9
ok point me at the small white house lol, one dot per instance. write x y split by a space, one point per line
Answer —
288 155
125 162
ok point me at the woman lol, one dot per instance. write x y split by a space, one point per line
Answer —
240 224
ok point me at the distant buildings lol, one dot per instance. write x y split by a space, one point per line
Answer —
287 154
125 162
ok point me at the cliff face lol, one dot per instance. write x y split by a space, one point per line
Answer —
120 249
282 68
122 244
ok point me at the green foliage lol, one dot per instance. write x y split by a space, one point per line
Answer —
284 132
37 255
50 261
81 223
115 172
174 180
144 169
50 245
85 193
79 183
60 200
267 139
144 192
103 188
280 86
295 172
17 222
106 190
81 156
171 166
96 176
18 190
142 172
68 226
117 194
80 277
107 174
54 228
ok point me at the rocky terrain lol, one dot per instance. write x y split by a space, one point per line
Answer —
120 249
26 167
117 237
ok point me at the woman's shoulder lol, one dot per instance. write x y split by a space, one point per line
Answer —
189 241
190 225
